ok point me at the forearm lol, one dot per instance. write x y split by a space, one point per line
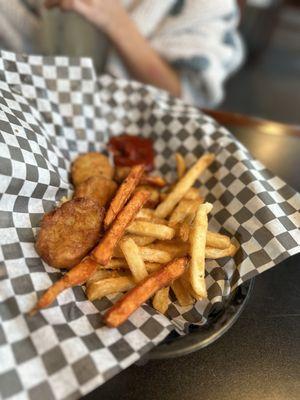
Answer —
141 60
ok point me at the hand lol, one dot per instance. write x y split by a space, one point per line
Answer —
105 14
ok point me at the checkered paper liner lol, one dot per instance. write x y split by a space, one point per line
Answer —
51 110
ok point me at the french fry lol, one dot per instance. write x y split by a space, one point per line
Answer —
183 231
185 280
153 197
183 209
121 263
124 192
147 214
76 276
101 274
180 165
140 240
193 194
174 248
152 266
103 252
146 228
134 259
182 295
230 251
153 180
197 250
217 240
124 307
155 255
104 287
115 263
161 300
181 188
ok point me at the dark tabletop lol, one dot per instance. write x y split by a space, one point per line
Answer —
259 358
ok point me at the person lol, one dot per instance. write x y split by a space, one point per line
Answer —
187 47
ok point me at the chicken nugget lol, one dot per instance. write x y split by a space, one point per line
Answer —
68 233
97 188
91 164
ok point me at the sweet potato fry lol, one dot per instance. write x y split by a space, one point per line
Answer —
103 252
161 300
147 228
124 307
76 276
181 188
197 251
124 192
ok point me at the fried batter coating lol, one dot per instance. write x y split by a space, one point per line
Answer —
68 233
97 188
91 164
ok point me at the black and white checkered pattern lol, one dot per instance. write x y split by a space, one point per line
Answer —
52 109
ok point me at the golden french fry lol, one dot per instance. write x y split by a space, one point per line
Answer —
152 266
193 194
183 209
134 259
217 240
161 300
185 281
181 188
153 197
146 228
124 307
183 231
182 295
115 263
153 180
174 248
124 192
140 240
101 274
180 165
155 255
121 264
147 214
197 250
152 255
104 251
104 287
230 251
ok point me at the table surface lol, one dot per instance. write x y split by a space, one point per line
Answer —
259 358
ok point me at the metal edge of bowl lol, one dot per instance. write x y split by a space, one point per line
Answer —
206 335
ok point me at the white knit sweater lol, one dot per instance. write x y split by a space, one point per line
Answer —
198 37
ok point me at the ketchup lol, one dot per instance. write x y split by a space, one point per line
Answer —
130 150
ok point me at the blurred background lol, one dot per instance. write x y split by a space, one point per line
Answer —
268 85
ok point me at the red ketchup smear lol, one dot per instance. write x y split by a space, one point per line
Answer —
130 150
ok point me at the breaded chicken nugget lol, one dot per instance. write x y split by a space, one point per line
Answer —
97 188
68 233
91 164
